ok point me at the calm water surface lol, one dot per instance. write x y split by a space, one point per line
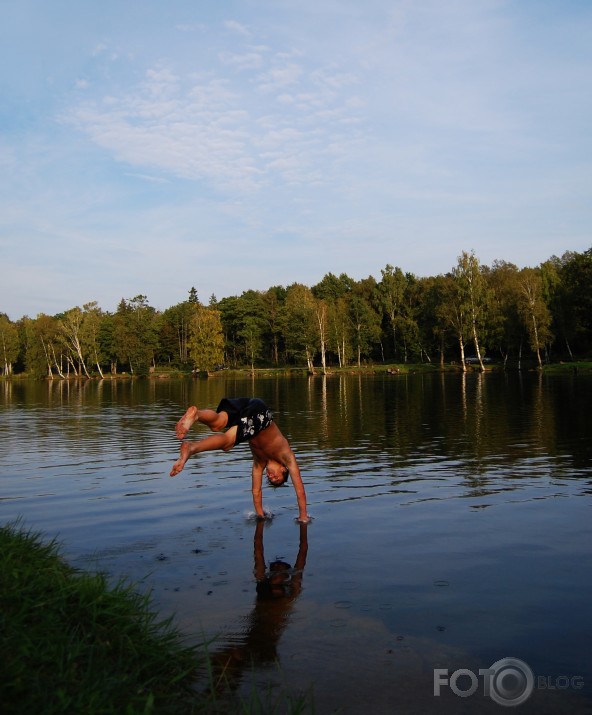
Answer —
452 527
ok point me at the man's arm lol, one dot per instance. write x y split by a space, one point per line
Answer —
259 556
300 560
256 488
289 461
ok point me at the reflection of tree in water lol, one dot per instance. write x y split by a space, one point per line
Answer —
277 589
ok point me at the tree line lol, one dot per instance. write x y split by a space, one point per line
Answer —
477 312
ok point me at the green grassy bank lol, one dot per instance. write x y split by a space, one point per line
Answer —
73 644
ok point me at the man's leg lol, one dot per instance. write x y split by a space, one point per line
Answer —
216 421
216 441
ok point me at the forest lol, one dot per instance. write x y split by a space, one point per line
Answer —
517 317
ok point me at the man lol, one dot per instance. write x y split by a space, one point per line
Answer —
249 420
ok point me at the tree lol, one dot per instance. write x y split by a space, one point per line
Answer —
330 288
134 334
408 325
332 295
452 313
107 340
252 325
432 332
574 303
9 344
340 331
174 329
193 296
244 324
534 311
70 325
505 326
365 326
273 301
500 308
231 327
251 335
392 291
299 324
90 333
321 313
206 338
472 291
43 346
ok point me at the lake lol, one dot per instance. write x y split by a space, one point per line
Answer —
451 529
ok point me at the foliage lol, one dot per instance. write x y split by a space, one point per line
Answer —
135 334
499 311
472 297
9 344
299 324
533 310
206 340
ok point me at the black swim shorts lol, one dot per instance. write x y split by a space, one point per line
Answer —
250 414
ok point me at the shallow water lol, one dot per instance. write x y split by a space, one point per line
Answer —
452 525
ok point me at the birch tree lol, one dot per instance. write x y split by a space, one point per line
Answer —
174 330
321 313
472 291
299 323
452 313
44 348
70 325
365 325
392 292
91 327
9 344
340 332
534 311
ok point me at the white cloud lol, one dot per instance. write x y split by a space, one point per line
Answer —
237 28
242 62
208 126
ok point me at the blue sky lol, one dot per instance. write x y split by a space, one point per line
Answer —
150 146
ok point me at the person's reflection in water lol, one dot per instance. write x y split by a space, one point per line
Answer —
277 589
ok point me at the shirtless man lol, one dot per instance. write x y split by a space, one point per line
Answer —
246 420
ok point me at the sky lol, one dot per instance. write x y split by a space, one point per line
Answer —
148 147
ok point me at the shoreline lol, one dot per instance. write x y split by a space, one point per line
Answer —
74 643
393 369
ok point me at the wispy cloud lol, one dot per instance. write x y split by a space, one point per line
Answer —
218 128
237 28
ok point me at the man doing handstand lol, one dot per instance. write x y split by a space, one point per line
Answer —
246 419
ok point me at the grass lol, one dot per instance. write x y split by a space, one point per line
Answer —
569 367
71 643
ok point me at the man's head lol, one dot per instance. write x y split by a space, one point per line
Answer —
276 583
276 473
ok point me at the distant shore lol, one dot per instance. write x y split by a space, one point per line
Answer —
575 367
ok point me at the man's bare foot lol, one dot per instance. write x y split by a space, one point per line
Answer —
183 425
180 463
